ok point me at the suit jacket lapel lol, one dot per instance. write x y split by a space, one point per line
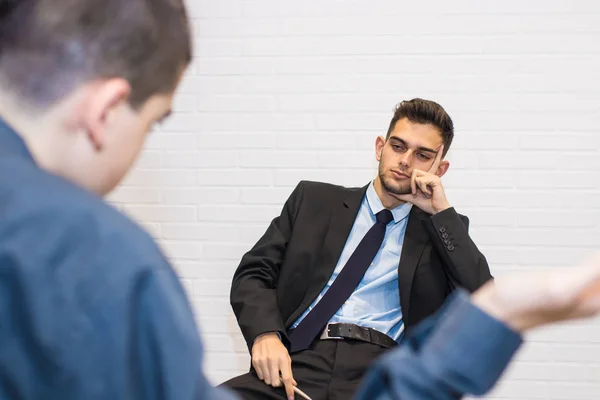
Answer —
340 224
415 240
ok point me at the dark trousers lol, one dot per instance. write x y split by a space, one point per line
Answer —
328 370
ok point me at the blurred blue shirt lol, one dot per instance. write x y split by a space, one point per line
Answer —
89 307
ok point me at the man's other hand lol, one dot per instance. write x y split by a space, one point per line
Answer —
270 358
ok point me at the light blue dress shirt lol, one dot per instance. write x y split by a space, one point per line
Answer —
375 303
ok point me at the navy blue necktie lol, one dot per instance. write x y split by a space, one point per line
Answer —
343 286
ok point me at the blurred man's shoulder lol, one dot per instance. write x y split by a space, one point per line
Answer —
39 206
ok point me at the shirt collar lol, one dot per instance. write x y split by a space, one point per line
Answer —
11 143
375 205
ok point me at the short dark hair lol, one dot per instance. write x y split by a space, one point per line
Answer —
48 47
428 112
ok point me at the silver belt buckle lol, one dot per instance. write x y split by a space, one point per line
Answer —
325 334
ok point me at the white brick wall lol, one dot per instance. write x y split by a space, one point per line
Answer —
287 90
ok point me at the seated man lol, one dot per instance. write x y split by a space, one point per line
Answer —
359 266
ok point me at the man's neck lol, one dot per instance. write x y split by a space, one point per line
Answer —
36 130
388 201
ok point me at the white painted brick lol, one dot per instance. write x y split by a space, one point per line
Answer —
200 195
228 251
185 103
544 256
200 122
232 66
280 159
490 216
275 122
233 103
125 194
523 160
207 287
235 177
162 213
250 234
196 231
353 122
486 140
217 47
199 159
346 177
202 269
221 140
566 140
480 179
180 250
559 180
150 159
160 178
310 141
209 9
228 213
557 219
171 141
347 159
275 196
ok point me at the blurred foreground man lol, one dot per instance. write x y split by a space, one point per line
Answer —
89 307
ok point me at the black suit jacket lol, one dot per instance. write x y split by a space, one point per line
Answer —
291 263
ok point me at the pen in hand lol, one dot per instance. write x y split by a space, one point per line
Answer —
298 391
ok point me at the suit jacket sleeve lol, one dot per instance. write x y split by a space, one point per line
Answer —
253 289
460 350
465 265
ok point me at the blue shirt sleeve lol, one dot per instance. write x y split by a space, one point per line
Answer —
167 355
460 350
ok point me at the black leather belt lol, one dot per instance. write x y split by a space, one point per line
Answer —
351 331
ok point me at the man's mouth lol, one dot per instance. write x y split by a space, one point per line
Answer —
400 175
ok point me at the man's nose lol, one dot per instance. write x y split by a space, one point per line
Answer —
405 159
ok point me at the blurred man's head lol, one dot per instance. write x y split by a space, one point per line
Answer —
417 130
83 81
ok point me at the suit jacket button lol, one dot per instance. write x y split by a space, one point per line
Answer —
443 229
444 235
451 247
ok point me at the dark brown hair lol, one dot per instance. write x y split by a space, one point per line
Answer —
428 112
48 47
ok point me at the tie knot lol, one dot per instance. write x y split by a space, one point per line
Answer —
384 216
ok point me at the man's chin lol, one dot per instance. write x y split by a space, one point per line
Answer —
396 190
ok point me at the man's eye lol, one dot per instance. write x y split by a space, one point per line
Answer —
423 156
397 147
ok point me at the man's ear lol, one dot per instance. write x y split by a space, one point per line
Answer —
443 168
102 108
379 144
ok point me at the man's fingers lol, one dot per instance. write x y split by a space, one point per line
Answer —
288 383
437 160
285 365
413 184
274 373
422 183
258 368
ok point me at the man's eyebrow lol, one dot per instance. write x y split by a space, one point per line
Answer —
421 148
